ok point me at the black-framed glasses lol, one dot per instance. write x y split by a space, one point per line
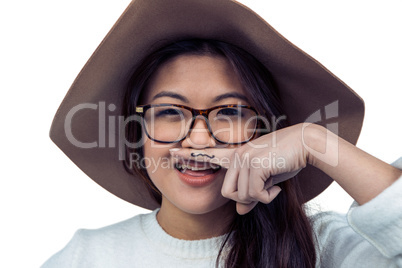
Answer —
170 123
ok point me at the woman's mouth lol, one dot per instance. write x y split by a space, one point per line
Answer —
196 173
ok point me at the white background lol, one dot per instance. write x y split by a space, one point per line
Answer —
44 198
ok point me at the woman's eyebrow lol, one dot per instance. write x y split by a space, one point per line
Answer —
184 99
230 95
170 95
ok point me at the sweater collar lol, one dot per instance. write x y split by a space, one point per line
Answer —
191 249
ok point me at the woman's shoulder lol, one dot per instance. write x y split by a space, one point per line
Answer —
129 226
97 247
126 229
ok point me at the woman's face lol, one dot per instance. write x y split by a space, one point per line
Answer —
199 82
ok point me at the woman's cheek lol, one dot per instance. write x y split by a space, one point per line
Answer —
157 161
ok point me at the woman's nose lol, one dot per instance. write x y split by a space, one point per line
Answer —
199 136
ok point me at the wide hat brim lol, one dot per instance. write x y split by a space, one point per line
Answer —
87 116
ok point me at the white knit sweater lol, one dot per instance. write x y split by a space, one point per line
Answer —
368 236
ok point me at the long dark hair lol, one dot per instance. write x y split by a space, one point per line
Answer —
278 234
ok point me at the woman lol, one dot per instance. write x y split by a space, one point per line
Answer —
204 108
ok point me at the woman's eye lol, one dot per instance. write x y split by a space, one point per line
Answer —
229 112
169 112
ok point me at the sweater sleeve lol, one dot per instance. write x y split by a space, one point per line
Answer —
369 235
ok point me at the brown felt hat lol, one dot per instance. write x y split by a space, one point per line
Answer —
86 124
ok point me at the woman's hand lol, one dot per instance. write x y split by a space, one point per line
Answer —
255 167
258 165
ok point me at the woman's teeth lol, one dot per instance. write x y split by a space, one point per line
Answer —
184 167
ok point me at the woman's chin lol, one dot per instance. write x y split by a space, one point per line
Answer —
199 206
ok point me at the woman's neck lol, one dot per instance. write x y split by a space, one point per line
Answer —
187 226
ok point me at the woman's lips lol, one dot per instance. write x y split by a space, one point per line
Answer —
197 178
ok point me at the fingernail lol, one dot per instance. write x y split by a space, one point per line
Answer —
174 149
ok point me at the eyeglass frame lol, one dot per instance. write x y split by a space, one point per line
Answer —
141 109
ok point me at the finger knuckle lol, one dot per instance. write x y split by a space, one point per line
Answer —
225 193
243 197
254 194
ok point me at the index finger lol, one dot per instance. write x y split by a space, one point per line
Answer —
218 156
